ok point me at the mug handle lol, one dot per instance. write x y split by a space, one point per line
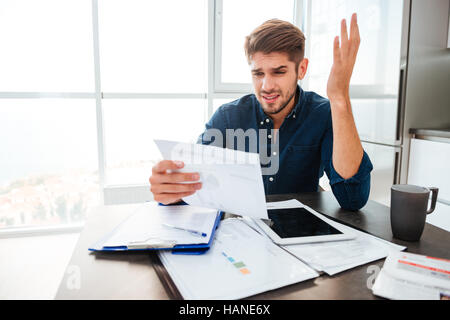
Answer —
433 199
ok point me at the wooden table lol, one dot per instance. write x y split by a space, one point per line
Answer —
138 275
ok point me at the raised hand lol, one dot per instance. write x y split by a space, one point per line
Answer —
344 58
347 148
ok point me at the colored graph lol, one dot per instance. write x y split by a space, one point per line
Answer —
239 265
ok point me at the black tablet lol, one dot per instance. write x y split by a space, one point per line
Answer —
300 225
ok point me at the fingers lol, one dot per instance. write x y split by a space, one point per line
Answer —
164 165
354 34
354 30
167 198
175 188
167 186
175 177
344 34
162 194
348 44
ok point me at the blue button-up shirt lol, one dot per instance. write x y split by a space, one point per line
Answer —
304 151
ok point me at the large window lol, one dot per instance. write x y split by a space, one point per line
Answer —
132 124
235 19
153 46
375 80
153 68
48 161
46 46
379 53
86 85
239 19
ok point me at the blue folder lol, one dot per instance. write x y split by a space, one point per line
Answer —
191 249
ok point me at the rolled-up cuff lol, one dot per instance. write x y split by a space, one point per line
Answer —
180 203
364 169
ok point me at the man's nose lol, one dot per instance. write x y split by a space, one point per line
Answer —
268 84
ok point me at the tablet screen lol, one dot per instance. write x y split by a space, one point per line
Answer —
298 222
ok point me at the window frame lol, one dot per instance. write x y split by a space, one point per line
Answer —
215 90
356 91
235 87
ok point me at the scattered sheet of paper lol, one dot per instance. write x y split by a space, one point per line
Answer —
147 223
231 180
240 263
407 276
337 256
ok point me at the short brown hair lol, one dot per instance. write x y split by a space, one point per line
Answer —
276 36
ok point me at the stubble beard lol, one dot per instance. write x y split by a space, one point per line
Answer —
283 105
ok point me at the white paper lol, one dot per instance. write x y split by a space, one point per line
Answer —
231 180
338 253
287 204
240 263
410 276
338 256
147 224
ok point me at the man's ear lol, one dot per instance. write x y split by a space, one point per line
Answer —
302 68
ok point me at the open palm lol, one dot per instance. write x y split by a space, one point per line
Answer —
344 58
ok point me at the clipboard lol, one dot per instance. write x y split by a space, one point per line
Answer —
156 244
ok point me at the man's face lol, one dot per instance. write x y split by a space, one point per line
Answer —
274 80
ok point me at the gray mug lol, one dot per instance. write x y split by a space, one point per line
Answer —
409 209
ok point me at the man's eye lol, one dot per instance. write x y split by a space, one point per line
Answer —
280 72
258 74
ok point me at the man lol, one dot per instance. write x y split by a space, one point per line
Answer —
312 134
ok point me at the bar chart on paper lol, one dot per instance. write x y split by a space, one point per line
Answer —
240 263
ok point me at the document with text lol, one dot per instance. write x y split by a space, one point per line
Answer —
240 263
336 256
407 276
154 226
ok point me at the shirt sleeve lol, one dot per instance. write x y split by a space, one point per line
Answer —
352 193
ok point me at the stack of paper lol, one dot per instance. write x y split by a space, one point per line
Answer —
337 256
240 263
410 276
154 226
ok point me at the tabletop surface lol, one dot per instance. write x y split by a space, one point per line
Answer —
140 275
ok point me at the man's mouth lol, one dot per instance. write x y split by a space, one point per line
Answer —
271 98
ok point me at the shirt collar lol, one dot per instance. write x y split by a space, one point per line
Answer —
297 107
